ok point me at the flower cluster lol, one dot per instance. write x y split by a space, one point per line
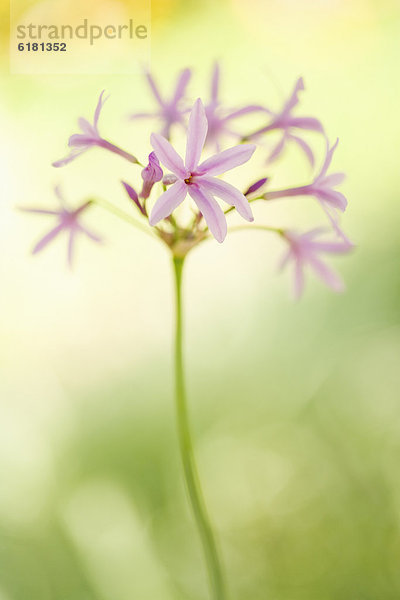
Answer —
168 180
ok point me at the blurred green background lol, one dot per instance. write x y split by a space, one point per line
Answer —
295 406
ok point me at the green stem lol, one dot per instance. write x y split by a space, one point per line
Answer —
121 214
187 455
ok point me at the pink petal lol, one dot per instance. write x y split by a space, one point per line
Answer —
328 158
309 123
332 247
335 198
298 279
334 220
99 106
227 192
181 85
334 179
226 160
293 100
154 89
245 111
168 155
211 211
86 127
327 275
70 253
197 132
313 233
67 159
215 83
143 115
278 149
90 234
59 194
47 238
288 255
168 202
305 147
78 140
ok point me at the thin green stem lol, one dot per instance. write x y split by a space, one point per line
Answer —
214 567
259 227
121 214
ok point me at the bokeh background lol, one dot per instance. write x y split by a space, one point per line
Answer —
295 406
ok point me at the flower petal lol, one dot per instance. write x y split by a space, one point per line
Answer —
227 192
78 140
298 284
294 99
215 83
67 159
86 127
183 80
328 159
309 123
168 155
93 236
47 238
196 136
210 210
143 115
277 150
99 106
251 108
305 147
226 160
154 89
333 247
335 198
333 179
327 275
168 202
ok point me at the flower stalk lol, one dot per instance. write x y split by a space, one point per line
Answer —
192 480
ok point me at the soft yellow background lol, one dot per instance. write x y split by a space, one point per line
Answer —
295 407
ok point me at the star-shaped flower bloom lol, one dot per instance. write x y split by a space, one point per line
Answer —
68 220
198 180
323 189
285 121
169 111
304 251
89 136
220 121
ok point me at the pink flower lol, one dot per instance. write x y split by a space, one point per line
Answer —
304 250
134 197
68 220
90 137
169 111
150 175
285 121
218 122
321 188
198 180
